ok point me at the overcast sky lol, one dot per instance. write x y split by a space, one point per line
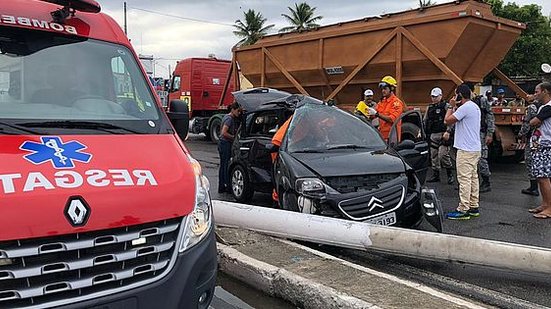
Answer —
170 38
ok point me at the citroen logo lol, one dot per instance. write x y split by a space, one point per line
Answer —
77 211
374 203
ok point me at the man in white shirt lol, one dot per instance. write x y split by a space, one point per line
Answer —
465 114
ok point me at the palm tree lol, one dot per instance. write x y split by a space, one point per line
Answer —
252 29
301 18
425 3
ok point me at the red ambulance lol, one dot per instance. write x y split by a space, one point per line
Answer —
101 204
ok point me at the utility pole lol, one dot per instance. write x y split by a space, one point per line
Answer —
125 30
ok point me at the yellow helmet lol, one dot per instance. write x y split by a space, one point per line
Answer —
388 81
362 108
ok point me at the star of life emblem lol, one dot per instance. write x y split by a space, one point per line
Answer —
53 149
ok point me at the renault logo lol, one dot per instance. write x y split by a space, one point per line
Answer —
77 211
375 202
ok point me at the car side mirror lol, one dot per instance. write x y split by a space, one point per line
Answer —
405 144
178 113
272 148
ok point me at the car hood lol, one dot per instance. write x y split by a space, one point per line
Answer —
350 163
124 179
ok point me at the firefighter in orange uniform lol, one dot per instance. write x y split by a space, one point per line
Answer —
277 140
278 136
389 108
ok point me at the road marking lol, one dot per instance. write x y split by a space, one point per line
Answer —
417 286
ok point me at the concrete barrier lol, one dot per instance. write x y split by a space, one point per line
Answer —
283 284
363 236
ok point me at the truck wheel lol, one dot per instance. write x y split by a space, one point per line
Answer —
518 157
410 131
241 188
214 130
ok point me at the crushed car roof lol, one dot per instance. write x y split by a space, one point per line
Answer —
259 98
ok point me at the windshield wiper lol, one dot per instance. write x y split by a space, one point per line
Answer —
308 151
347 146
70 124
17 128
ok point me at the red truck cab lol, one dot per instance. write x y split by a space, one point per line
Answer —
200 83
101 204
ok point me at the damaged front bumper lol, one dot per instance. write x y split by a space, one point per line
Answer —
399 204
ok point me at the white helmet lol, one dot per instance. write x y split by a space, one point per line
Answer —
435 92
368 92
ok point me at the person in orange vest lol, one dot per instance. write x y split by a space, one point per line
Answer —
389 108
277 139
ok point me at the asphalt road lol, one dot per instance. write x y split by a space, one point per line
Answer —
504 217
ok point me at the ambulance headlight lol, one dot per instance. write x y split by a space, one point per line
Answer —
199 222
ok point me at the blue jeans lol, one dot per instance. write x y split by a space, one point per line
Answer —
224 150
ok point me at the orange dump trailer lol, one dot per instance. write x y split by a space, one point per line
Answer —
439 46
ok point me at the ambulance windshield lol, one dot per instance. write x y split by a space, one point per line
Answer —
49 78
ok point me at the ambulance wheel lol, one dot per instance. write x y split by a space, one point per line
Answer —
214 129
241 188
518 156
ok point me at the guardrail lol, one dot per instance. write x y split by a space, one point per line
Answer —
363 236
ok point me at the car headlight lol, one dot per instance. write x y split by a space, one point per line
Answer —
309 186
199 222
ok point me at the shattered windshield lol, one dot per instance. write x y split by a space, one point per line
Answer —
49 81
321 128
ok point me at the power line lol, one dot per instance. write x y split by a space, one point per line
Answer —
181 17
168 59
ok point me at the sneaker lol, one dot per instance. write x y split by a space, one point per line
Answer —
474 212
458 215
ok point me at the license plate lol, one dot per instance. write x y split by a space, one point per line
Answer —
387 219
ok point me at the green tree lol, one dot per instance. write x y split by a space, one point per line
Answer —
301 18
533 46
425 3
252 29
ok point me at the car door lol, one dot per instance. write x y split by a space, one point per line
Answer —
416 154
261 129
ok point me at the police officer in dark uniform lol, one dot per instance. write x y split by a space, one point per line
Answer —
435 128
487 129
524 136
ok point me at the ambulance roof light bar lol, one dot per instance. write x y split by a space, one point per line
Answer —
71 6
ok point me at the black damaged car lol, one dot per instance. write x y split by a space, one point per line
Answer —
330 162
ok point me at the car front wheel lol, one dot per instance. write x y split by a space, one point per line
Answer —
241 187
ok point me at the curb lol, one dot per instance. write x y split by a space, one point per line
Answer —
283 284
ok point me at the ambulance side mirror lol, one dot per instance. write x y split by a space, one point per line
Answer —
178 113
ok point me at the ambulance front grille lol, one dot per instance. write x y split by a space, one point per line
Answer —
42 272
